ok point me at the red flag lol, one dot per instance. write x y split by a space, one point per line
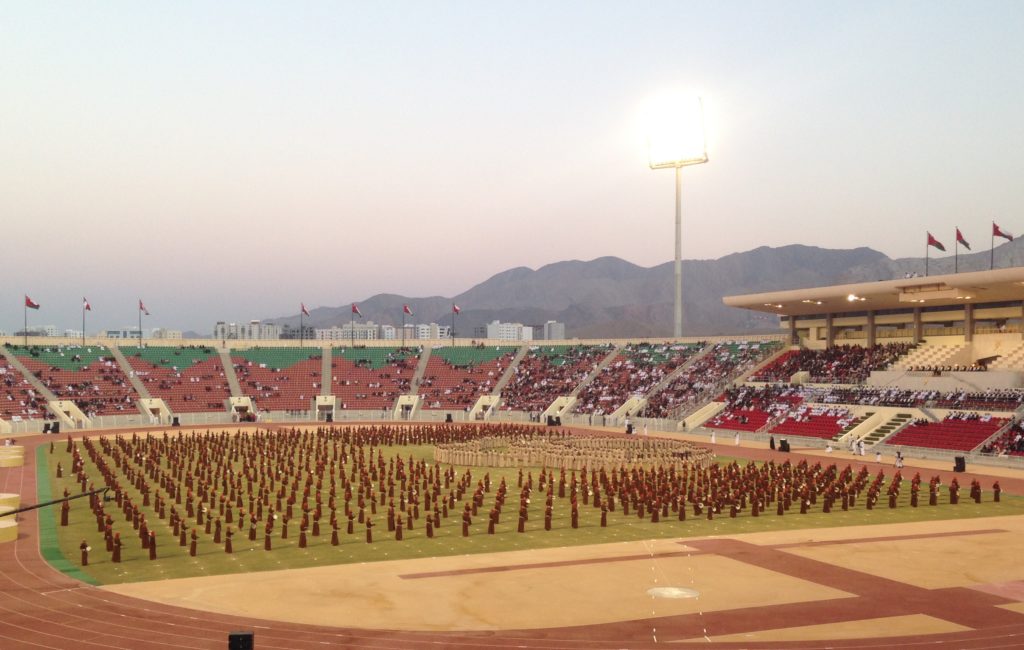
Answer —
142 308
999 232
85 305
30 304
961 240
935 242
455 308
305 312
355 310
406 309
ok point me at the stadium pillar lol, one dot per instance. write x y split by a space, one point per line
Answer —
793 339
968 323
871 328
830 332
918 330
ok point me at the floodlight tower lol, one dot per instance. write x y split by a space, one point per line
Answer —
676 140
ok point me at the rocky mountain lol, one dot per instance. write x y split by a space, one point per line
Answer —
610 297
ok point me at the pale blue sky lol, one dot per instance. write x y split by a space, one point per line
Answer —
228 160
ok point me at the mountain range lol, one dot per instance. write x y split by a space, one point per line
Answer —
611 298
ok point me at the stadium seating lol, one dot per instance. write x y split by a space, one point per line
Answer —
1011 443
813 422
188 379
18 400
456 376
957 432
548 372
88 376
750 408
279 379
371 378
842 364
635 370
707 375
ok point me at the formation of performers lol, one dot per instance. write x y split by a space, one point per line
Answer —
198 489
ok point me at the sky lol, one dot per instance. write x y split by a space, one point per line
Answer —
229 160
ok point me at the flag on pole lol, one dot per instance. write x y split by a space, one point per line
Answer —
935 242
305 312
999 232
455 308
355 310
960 239
30 303
142 308
405 309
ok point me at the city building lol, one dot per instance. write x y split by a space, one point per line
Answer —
254 330
367 331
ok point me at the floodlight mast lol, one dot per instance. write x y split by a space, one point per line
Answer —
680 149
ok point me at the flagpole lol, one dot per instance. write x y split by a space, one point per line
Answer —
24 329
300 329
453 326
926 246
956 252
992 248
83 323
140 324
403 327
352 329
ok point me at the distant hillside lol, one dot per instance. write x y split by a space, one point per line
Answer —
610 297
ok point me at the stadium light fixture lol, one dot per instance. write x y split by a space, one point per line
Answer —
675 140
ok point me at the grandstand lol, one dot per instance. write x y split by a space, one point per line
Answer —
548 372
88 376
279 378
456 376
188 379
18 399
371 377
634 371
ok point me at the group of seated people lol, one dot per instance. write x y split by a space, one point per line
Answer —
706 376
938 370
962 416
546 374
1011 443
840 364
636 370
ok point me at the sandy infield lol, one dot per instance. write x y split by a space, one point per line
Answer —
589 585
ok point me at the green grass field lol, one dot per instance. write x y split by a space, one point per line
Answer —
61 544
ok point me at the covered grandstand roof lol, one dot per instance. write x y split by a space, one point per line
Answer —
953 289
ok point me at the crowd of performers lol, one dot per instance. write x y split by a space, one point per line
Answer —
201 489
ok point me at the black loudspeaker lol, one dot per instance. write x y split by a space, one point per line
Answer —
629 429
174 422
330 417
448 417
55 428
959 464
784 445
241 641
46 428
558 420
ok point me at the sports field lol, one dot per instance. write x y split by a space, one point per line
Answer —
846 578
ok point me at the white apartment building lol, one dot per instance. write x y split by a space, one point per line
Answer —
368 331
509 331
254 330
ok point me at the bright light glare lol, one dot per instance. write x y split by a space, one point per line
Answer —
675 131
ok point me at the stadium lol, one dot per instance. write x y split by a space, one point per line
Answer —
796 432
702 547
